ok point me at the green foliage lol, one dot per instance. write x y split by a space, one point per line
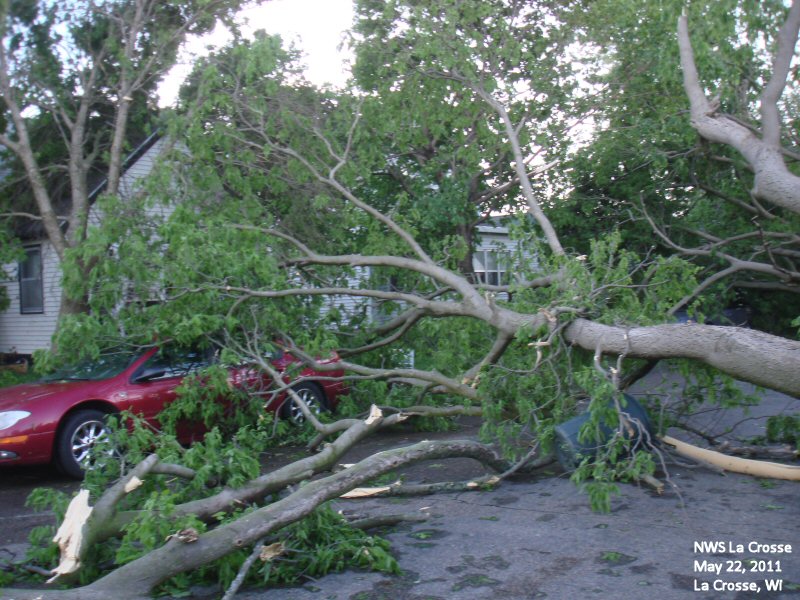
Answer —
438 161
784 428
620 456
41 549
645 159
597 477
208 397
324 543
9 377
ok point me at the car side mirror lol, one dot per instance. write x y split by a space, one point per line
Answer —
149 374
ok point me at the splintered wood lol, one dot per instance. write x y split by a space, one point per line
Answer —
71 534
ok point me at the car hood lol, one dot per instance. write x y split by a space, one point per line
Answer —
20 395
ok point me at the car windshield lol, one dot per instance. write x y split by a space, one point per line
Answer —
103 367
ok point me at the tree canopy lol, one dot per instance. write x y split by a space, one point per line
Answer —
78 84
647 173
320 221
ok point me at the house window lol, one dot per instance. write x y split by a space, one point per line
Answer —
31 296
491 267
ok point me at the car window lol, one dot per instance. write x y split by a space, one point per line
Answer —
103 367
178 362
275 353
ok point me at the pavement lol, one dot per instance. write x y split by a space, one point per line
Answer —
708 536
538 538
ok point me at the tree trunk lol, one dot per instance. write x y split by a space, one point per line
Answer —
70 306
745 354
465 265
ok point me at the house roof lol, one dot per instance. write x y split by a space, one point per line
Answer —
129 161
27 229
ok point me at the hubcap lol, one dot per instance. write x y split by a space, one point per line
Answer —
296 413
85 438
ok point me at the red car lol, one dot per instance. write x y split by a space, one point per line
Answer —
60 418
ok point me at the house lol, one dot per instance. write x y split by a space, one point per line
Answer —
34 289
33 286
492 258
493 261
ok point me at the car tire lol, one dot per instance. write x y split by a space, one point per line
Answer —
314 398
79 433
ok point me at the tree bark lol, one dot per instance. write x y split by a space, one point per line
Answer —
745 354
136 579
773 180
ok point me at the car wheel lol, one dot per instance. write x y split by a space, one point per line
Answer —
314 398
81 432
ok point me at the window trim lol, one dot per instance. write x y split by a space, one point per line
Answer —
481 259
38 310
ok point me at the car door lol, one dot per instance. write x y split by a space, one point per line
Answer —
154 383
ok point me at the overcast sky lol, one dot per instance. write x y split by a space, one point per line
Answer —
315 26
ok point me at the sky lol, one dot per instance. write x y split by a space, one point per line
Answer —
316 27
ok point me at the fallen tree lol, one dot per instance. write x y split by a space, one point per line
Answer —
348 262
189 549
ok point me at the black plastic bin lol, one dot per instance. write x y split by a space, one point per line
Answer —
570 452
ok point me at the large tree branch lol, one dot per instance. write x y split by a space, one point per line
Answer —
167 561
444 276
434 308
99 522
787 40
23 148
773 181
745 354
78 166
137 578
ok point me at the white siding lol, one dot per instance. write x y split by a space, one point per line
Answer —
25 333
132 178
141 168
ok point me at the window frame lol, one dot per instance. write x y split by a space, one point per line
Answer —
177 362
25 282
490 266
